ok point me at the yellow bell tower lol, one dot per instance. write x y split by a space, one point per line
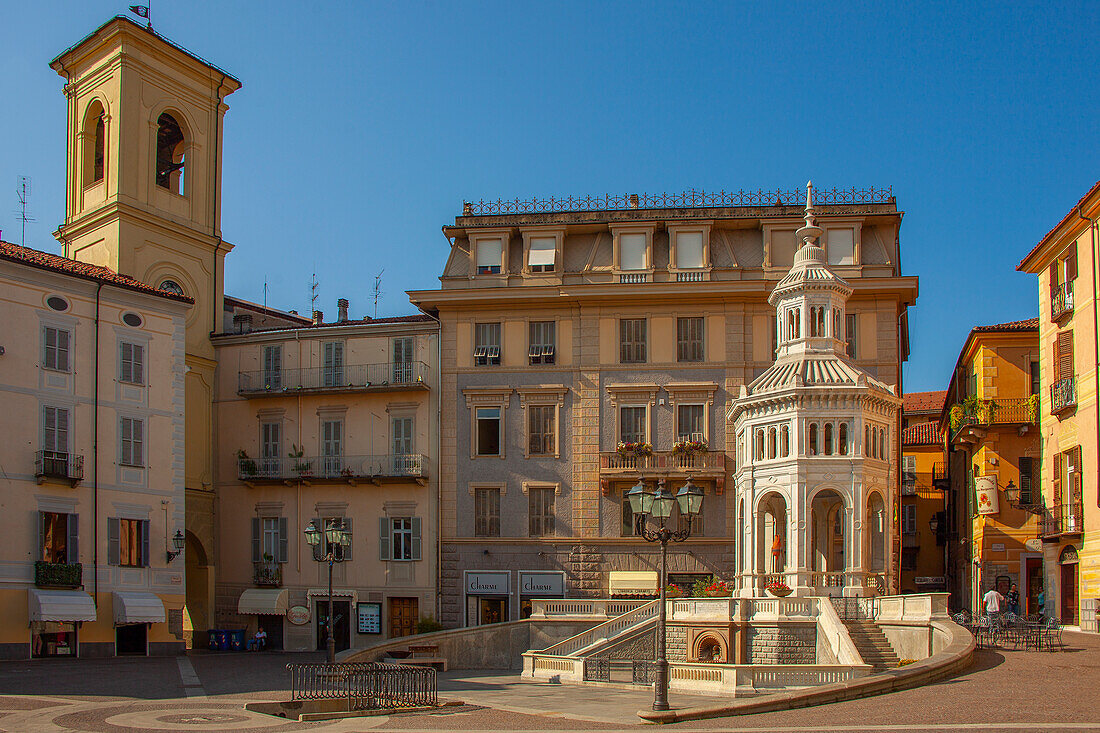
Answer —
143 197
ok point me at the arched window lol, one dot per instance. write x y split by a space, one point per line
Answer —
876 517
171 286
828 438
813 439
759 440
867 440
882 443
790 325
798 323
95 142
771 442
842 439
785 441
836 324
170 154
813 321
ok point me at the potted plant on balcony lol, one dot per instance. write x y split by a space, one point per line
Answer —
248 466
689 448
634 449
301 466
673 591
779 589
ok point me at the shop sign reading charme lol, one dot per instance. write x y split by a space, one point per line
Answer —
487 584
534 585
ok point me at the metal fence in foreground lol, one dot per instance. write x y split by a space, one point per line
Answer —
365 685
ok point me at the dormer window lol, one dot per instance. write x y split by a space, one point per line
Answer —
490 256
541 254
170 161
689 257
841 246
632 252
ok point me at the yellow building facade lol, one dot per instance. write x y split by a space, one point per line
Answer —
142 197
93 481
1066 263
991 421
923 495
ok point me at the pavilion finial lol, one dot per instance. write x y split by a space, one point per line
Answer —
809 233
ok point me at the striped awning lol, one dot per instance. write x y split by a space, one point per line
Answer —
138 607
264 601
60 605
620 582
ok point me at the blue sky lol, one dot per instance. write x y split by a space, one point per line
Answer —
362 127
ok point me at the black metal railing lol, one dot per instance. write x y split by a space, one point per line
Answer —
267 574
1061 301
1001 411
332 468
1061 519
691 199
597 669
365 685
643 671
58 574
56 464
1063 394
385 376
939 472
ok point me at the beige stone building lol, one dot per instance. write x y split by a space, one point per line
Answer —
581 324
92 386
1066 263
317 421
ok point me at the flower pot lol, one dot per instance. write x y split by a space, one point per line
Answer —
779 592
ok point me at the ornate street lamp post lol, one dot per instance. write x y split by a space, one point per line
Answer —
658 505
336 537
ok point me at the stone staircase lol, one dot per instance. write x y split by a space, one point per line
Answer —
872 644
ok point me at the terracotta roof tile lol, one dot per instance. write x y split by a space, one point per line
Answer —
1028 324
926 433
924 401
65 266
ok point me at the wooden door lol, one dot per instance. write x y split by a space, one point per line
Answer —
1069 594
404 613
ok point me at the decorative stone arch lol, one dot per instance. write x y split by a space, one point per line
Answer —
710 645
827 553
875 534
92 139
772 516
173 148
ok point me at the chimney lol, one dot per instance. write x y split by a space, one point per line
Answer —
318 318
293 313
242 323
342 310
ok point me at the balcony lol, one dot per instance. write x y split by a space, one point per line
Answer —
663 464
333 469
972 414
50 464
910 539
1061 301
267 574
1062 519
386 377
1063 395
909 484
58 575
939 474
634 278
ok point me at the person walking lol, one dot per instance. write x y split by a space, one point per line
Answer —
992 601
1012 600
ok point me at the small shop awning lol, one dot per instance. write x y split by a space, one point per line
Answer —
138 607
264 601
60 605
336 593
620 582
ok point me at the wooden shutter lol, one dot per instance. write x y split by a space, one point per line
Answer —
39 521
1053 278
1054 360
284 540
1075 466
1025 480
73 547
384 551
1071 263
112 541
415 538
1065 354
1056 479
257 539
145 543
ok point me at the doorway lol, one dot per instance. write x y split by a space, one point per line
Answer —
1068 591
341 610
1033 570
273 627
404 614
130 640
491 610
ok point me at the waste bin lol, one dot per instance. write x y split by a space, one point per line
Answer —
212 639
236 640
223 640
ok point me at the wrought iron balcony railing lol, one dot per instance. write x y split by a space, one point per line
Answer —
332 468
267 574
1061 302
663 462
58 575
939 472
1063 395
55 464
1062 519
1000 411
349 377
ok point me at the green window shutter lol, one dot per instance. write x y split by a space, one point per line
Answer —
384 552
112 541
39 520
74 538
415 538
145 543
257 537
284 541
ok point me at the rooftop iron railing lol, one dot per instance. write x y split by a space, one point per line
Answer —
410 374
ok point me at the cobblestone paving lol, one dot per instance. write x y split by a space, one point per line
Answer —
1006 690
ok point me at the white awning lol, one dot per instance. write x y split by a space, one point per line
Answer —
138 607
264 601
632 581
336 593
60 605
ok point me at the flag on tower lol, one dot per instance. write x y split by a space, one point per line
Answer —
141 11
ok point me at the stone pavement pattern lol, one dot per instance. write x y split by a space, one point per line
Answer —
1005 690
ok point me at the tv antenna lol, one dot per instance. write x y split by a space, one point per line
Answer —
313 293
377 290
23 191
